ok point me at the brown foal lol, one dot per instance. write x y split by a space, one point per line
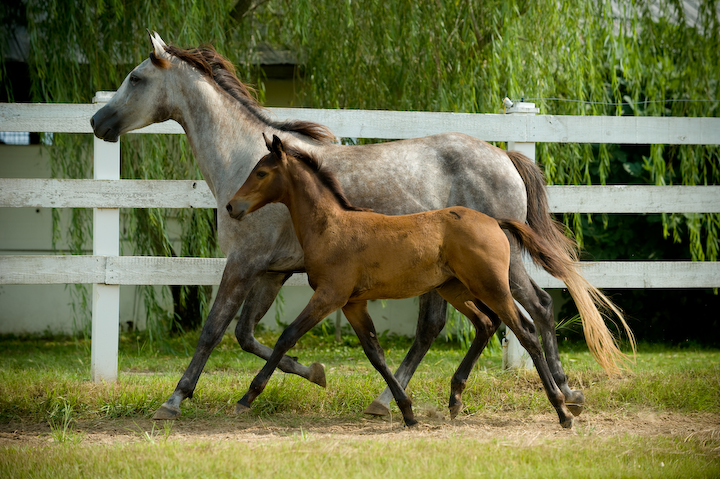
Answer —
353 255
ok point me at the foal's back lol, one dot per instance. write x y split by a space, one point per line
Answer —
388 257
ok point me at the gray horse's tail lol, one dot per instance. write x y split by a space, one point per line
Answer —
558 255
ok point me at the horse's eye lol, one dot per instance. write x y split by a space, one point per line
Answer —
261 174
134 79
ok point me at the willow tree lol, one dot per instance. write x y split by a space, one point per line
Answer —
588 57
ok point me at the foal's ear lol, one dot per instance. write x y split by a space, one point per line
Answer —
277 146
268 142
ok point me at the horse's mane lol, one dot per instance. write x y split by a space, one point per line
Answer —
326 177
221 70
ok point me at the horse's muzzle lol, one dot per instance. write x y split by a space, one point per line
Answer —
105 126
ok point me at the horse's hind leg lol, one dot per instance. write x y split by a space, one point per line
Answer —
358 317
525 332
538 304
431 320
260 298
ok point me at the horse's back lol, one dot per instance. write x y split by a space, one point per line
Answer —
429 173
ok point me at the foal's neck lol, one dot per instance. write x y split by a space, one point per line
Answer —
313 206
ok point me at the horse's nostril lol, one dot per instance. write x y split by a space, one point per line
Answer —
229 208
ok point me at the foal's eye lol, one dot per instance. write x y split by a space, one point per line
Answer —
261 174
134 79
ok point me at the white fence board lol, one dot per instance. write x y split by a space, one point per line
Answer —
149 270
634 199
56 269
639 274
75 118
54 193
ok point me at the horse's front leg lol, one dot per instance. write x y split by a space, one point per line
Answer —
237 279
431 320
318 308
260 298
358 317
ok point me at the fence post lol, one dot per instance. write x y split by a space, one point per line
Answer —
514 356
106 242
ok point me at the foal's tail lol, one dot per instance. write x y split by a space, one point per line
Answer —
543 238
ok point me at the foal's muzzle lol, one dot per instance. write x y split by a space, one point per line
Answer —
236 209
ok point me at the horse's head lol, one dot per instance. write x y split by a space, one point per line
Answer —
266 183
141 99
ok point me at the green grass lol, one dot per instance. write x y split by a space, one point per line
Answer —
304 456
47 381
40 377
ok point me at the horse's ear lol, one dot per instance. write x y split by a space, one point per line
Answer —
277 146
157 43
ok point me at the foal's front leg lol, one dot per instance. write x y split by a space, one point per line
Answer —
431 320
358 317
318 308
263 294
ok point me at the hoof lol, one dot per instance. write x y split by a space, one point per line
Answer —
575 402
317 374
166 413
575 409
376 408
240 409
567 424
411 423
455 409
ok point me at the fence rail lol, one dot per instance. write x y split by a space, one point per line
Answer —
106 269
55 193
74 118
155 270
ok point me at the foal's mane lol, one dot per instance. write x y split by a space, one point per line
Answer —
222 72
326 177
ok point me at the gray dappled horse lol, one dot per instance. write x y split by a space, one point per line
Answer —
224 125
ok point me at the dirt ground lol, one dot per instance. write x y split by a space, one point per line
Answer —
508 426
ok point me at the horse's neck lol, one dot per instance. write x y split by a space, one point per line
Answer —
313 207
226 139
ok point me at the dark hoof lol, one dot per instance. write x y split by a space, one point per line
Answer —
166 413
575 402
317 374
241 409
575 409
567 424
411 423
376 408
455 409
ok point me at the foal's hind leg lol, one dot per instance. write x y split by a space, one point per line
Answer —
485 323
260 298
538 304
525 332
358 317
431 319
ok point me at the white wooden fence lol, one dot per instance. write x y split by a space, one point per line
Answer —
106 193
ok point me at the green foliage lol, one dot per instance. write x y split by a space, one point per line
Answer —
589 57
